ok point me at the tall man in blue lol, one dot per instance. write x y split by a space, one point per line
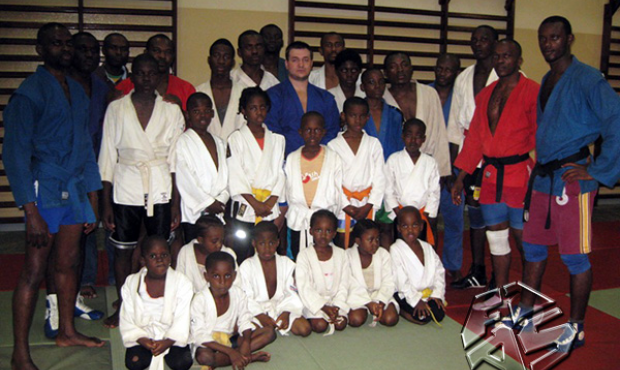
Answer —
295 96
447 68
50 163
575 106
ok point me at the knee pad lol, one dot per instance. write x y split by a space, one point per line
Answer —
576 263
498 242
476 221
534 252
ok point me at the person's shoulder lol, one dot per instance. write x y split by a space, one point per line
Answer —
229 251
182 280
181 82
586 75
287 262
204 87
338 252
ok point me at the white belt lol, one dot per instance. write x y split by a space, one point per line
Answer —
145 172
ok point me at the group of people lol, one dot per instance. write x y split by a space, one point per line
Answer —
272 162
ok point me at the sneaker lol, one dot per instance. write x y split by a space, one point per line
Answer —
572 337
520 318
470 281
50 328
82 311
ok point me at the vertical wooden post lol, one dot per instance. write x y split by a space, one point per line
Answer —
80 15
370 44
443 31
607 20
291 21
510 12
175 24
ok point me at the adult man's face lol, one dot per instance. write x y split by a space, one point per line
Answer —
506 59
273 40
299 64
399 70
221 60
252 50
331 45
56 48
161 49
482 43
446 71
553 41
86 54
116 51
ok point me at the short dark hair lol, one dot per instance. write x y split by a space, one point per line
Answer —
348 55
450 57
108 38
331 33
367 72
355 100
559 19
158 36
195 97
215 257
150 241
414 122
364 225
78 35
324 213
410 209
514 42
205 222
265 227
271 25
140 59
246 33
312 114
392 54
249 93
297 45
488 28
46 28
222 42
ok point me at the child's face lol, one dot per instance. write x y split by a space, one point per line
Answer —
256 110
374 85
145 78
413 139
199 115
266 244
323 231
157 260
409 226
312 131
348 73
220 278
369 241
355 117
212 240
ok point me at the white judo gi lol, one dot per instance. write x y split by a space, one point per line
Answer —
199 181
255 171
195 272
383 284
429 111
138 162
205 322
172 323
232 119
329 194
412 277
341 98
285 298
410 184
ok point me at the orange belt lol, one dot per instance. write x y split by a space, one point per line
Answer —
359 195
430 238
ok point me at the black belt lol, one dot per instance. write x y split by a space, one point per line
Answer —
548 169
499 163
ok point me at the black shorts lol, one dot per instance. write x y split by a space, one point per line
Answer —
406 307
128 221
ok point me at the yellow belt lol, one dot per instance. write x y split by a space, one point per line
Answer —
261 195
426 293
359 195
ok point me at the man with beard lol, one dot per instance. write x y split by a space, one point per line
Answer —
467 85
272 35
325 77
116 52
51 167
171 87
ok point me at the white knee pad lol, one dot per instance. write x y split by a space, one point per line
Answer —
498 242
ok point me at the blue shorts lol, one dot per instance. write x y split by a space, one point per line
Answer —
57 216
497 213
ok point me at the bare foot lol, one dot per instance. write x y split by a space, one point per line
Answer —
23 364
88 291
261 356
78 340
112 321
